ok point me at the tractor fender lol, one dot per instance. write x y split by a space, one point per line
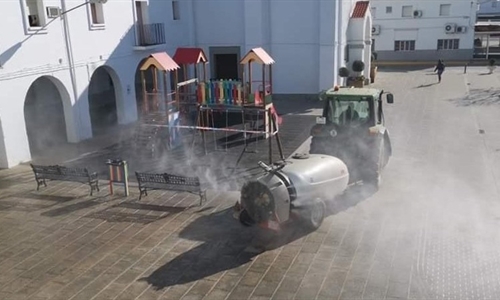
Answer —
387 141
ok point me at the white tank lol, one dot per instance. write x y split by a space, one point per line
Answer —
316 176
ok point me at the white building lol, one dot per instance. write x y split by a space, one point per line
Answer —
488 9
69 78
423 30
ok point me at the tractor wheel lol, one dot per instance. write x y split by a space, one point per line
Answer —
374 168
314 214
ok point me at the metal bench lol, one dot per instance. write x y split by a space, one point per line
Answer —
149 181
62 173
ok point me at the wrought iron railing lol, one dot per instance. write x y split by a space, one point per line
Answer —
151 34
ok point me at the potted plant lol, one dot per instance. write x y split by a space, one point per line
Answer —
491 65
373 68
358 67
343 73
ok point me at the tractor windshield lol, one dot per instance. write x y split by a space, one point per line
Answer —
349 110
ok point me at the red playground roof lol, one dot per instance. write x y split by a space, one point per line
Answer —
360 9
187 56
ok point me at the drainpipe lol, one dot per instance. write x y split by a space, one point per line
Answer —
71 62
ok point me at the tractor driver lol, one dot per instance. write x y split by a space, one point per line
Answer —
349 115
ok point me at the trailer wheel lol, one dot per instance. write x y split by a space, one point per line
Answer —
245 219
314 214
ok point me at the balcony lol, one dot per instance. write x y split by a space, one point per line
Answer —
150 35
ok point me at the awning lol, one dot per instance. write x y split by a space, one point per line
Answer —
188 56
162 61
257 55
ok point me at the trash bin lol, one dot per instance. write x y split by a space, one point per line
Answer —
118 173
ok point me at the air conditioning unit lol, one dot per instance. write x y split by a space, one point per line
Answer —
417 13
450 28
375 29
52 12
462 29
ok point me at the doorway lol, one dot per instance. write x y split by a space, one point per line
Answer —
102 102
44 117
226 62
226 66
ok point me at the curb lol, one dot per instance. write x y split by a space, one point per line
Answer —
430 63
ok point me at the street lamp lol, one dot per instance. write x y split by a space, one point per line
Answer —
69 49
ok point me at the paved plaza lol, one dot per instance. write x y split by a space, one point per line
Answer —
430 232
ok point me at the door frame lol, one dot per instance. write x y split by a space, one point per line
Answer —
224 50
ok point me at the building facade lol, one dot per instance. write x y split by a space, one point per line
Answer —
69 69
488 10
423 30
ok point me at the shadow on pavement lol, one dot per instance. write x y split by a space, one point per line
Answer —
479 97
226 241
426 85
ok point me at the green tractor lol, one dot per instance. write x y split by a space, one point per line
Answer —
352 129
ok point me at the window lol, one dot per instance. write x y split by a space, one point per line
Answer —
404 45
374 12
175 10
494 4
96 14
388 9
35 13
449 44
444 9
407 11
349 111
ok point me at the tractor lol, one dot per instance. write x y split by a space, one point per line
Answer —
352 128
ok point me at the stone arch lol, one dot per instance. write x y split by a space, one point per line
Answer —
105 99
47 112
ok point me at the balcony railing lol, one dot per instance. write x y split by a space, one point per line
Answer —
151 34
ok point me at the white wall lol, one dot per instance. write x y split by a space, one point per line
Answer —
26 56
301 36
426 29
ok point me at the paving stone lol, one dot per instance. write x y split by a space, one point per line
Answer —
397 289
251 278
240 292
265 289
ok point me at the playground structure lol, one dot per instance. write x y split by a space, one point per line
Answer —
204 106
223 97
192 61
159 106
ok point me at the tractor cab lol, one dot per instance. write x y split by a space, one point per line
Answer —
352 128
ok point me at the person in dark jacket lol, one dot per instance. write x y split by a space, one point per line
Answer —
440 69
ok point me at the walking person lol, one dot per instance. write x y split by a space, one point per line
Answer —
440 69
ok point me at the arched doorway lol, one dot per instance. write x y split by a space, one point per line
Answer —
44 117
102 101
